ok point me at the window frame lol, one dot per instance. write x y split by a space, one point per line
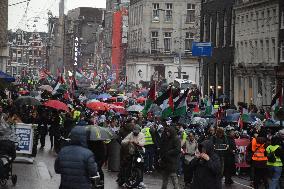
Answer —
189 39
155 12
169 12
169 50
190 13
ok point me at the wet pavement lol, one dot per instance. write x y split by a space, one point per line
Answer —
41 175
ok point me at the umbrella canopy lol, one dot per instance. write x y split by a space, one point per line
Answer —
34 93
259 116
24 92
99 133
46 88
27 100
141 100
104 96
234 118
231 111
143 93
92 96
93 100
198 121
98 106
56 104
118 109
6 77
135 108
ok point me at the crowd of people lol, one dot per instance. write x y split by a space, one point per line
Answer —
169 146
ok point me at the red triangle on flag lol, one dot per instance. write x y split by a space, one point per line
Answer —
196 109
171 100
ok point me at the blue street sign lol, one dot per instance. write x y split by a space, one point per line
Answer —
201 49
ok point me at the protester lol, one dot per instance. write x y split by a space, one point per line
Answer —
75 162
189 153
207 168
170 154
275 155
259 159
229 158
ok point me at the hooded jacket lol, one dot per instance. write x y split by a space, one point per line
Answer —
207 174
76 162
170 150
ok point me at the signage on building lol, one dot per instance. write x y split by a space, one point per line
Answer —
76 51
201 49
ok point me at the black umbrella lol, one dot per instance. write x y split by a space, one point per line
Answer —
27 100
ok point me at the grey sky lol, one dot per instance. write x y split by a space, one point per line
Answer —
39 8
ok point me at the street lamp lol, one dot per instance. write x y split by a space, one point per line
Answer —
219 87
170 74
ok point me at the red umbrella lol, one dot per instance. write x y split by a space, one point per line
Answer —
141 100
118 109
56 104
24 92
98 106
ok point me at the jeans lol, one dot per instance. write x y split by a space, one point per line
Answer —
275 173
173 177
149 157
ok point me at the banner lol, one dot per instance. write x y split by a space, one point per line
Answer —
241 152
24 133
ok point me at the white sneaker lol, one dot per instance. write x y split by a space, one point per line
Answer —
142 185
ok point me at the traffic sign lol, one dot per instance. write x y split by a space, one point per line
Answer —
201 49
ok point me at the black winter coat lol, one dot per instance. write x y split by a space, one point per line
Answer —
76 162
170 151
206 174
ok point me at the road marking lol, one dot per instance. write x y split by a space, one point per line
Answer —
243 185
43 171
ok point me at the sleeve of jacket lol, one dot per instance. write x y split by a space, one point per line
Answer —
92 166
57 166
176 149
214 164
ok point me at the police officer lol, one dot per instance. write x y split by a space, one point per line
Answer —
149 147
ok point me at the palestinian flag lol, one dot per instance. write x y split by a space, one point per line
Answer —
168 105
209 107
59 82
244 117
181 105
150 99
276 102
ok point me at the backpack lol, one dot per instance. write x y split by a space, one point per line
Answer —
271 157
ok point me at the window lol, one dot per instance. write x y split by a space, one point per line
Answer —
225 29
282 51
19 52
282 20
169 12
156 15
273 50
267 51
274 16
217 30
256 21
256 51
246 52
268 17
167 41
241 54
262 19
154 42
189 37
190 13
261 51
259 83
19 60
204 29
210 29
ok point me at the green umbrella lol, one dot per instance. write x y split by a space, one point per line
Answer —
97 133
